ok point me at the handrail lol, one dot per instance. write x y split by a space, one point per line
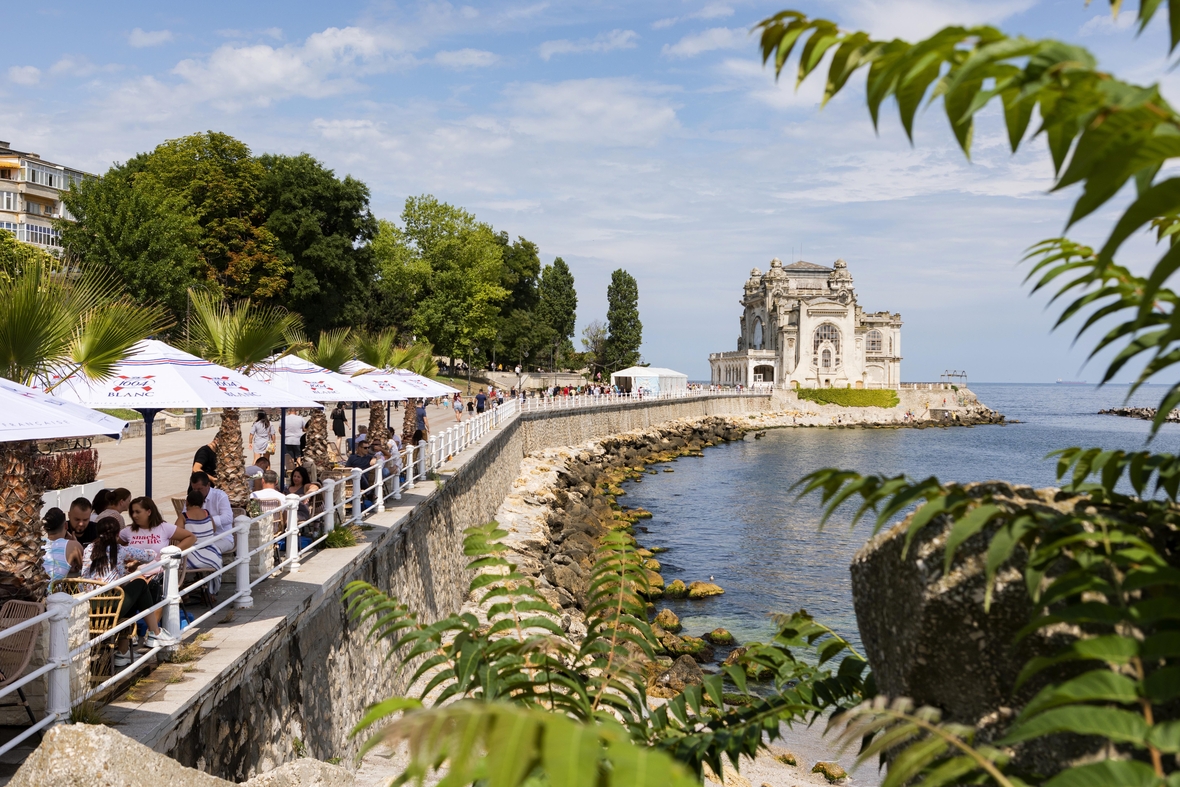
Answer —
366 491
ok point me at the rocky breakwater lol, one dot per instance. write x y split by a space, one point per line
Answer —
566 499
1142 413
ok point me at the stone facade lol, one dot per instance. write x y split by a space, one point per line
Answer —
309 674
801 326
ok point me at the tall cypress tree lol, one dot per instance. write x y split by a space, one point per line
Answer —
625 331
558 306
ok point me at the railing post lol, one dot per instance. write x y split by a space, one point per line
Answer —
330 504
58 701
410 466
242 570
379 480
170 620
357 475
293 533
434 459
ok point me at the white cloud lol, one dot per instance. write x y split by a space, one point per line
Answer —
603 42
140 38
327 63
912 19
709 40
712 11
609 112
24 75
466 58
524 11
1105 24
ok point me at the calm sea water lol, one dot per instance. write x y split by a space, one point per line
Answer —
732 515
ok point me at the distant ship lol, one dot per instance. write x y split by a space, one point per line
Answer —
1071 382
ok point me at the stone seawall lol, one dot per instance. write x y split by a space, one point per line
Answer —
297 677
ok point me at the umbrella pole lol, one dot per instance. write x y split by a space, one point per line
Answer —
149 417
283 450
354 427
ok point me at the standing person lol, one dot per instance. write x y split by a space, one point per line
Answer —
420 421
82 529
339 426
457 406
262 437
216 502
481 401
63 555
196 520
205 460
293 423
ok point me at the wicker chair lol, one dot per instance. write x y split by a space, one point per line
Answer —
105 609
16 651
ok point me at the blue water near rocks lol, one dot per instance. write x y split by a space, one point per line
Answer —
731 514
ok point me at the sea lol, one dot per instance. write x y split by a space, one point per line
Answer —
732 515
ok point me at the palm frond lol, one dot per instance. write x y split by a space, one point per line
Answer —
241 335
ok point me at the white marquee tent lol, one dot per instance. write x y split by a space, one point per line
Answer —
649 379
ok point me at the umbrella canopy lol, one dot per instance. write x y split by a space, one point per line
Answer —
424 385
28 414
157 375
409 384
304 378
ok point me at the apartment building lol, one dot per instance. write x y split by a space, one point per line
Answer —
30 196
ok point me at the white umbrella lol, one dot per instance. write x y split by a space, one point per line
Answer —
411 384
29 414
304 378
424 385
157 375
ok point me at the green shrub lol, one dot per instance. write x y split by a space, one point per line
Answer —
850 397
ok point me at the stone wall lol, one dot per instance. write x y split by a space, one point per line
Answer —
311 675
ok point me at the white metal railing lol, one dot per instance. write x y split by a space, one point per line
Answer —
279 532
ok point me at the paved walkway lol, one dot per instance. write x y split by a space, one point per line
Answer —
123 462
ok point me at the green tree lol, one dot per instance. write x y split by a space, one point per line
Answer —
132 228
624 330
402 277
219 183
52 327
594 344
459 302
241 335
324 227
557 308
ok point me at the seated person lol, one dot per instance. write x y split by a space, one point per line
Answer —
196 520
63 555
361 458
260 466
82 528
271 499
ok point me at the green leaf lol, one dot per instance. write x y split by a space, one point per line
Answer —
1114 724
570 753
1107 773
1165 736
1093 686
1163 685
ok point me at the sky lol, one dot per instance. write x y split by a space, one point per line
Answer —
637 135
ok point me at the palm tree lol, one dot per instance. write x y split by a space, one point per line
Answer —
417 358
53 325
331 351
378 351
243 336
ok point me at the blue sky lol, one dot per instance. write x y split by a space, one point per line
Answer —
638 135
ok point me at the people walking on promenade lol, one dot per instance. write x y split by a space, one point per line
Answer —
457 406
262 437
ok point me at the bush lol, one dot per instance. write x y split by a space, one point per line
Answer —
849 397
68 468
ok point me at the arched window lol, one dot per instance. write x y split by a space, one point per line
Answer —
827 333
757 343
873 341
827 359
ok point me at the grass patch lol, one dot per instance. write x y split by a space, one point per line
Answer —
118 412
343 537
88 712
850 397
190 651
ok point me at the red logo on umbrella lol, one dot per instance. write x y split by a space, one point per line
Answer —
140 383
225 383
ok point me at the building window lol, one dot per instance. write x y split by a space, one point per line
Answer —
827 359
873 341
8 200
757 343
827 333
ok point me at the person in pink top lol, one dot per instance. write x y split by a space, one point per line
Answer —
149 531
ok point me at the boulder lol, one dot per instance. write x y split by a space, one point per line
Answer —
675 589
753 671
654 579
928 637
651 564
718 637
683 672
304 772
703 590
691 646
830 771
667 620
783 755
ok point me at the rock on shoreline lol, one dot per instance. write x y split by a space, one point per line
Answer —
1142 413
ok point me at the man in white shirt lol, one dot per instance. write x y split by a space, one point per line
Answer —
271 499
217 504
293 423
